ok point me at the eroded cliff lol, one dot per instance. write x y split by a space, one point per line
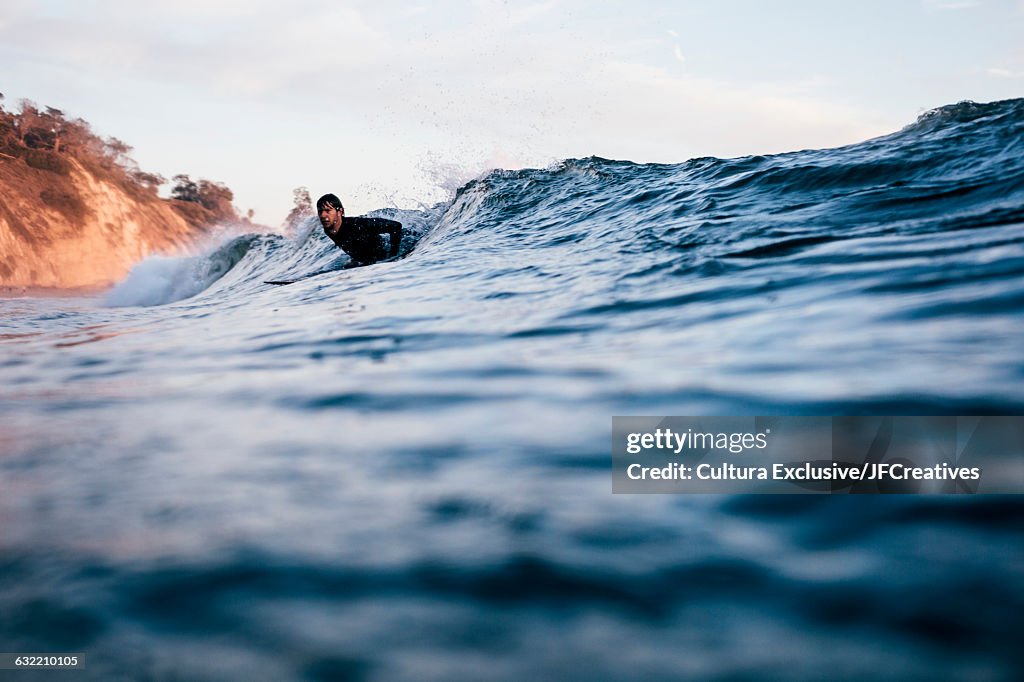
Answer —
72 228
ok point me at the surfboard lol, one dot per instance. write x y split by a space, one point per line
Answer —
300 278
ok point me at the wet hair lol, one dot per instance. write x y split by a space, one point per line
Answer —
329 200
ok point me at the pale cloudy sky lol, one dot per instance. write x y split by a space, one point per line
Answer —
384 103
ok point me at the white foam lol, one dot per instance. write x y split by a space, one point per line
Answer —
161 279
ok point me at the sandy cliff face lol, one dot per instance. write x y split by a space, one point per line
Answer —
75 229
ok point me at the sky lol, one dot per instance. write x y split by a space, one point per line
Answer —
397 103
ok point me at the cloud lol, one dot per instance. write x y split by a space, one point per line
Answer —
489 70
388 82
685 115
529 13
1004 73
950 5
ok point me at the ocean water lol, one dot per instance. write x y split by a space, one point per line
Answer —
402 471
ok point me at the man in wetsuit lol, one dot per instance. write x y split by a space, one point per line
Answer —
358 237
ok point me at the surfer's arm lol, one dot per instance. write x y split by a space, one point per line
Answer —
393 229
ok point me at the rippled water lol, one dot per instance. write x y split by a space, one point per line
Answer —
402 471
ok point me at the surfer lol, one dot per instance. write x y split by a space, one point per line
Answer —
358 237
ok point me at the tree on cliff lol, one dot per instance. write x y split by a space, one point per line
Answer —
79 140
215 197
185 189
303 207
27 121
118 152
8 126
53 121
150 181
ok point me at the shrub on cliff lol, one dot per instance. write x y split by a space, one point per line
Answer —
47 161
68 203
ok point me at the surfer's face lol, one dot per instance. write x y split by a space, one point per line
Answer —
330 218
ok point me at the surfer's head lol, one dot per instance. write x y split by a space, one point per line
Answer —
330 211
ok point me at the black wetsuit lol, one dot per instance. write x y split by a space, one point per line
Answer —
360 238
